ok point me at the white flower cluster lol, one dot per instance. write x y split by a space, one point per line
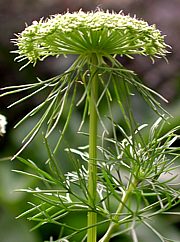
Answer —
3 123
83 33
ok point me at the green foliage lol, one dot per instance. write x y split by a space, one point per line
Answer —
148 166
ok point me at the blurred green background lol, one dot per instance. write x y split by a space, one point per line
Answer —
162 77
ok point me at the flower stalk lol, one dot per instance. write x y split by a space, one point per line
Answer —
92 165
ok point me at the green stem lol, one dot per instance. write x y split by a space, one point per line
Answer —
114 226
92 165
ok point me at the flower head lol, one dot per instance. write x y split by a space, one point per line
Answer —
83 33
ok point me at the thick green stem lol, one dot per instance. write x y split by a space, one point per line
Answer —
113 227
92 165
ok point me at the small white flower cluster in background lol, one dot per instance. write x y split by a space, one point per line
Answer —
3 123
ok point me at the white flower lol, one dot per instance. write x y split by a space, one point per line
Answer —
81 33
3 123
